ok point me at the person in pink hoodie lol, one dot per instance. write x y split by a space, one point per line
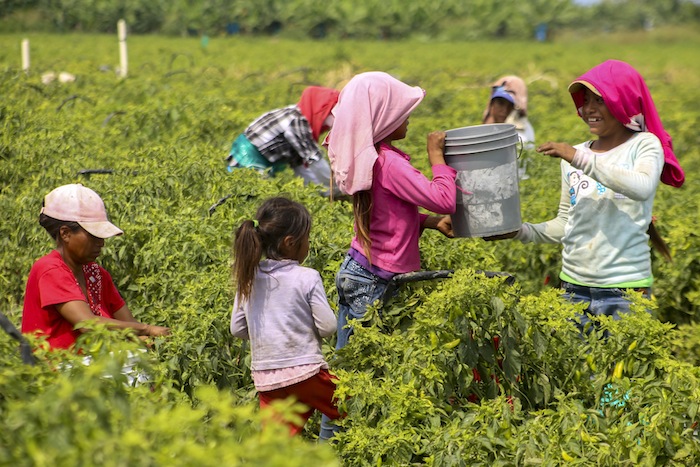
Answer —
372 113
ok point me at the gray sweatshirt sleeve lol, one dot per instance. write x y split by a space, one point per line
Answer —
323 315
239 324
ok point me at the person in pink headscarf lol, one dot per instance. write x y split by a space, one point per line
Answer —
608 187
372 113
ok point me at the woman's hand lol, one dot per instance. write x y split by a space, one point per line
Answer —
436 148
442 224
156 331
562 150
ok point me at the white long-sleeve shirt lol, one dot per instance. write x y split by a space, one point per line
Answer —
285 316
604 213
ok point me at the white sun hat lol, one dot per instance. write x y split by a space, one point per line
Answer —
80 204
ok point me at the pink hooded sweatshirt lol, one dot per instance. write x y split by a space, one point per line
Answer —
627 97
370 107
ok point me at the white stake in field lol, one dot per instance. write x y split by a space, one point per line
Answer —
25 55
123 62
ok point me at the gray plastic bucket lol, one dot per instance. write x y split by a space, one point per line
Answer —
488 196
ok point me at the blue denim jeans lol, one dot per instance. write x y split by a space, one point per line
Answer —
601 301
357 289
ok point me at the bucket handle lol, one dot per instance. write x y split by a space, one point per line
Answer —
522 145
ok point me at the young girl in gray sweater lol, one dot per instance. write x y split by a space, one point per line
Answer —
281 307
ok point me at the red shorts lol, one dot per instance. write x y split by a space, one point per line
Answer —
317 393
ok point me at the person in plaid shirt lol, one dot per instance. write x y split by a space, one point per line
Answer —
289 136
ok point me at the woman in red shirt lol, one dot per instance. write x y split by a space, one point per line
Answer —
67 287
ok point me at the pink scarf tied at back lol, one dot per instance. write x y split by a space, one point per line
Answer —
628 99
370 107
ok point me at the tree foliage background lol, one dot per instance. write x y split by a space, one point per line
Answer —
449 19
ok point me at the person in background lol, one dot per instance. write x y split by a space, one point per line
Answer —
508 104
281 307
289 136
67 287
607 191
372 113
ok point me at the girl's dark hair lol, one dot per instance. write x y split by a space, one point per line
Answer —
53 226
658 242
362 210
276 218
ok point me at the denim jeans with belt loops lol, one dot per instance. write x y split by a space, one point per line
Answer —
601 301
357 289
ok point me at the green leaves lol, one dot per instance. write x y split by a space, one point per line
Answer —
85 414
541 390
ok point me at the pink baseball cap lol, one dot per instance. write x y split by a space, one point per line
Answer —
80 204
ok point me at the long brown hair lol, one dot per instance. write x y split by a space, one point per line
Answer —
276 219
658 242
362 210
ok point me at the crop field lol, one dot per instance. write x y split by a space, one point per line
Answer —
424 383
